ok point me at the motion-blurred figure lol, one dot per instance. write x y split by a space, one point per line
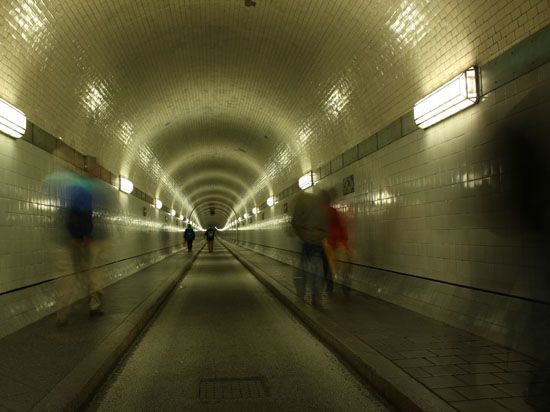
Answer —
310 223
76 234
526 179
210 234
188 237
337 248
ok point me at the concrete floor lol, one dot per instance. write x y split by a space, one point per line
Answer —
219 332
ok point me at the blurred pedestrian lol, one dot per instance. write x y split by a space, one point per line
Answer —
310 224
210 234
524 149
78 229
337 248
188 237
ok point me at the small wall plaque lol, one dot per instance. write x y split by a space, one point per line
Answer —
348 185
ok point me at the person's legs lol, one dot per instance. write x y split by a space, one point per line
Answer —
328 275
93 277
300 274
316 251
210 246
189 245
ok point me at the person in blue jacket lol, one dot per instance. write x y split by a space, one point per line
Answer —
188 237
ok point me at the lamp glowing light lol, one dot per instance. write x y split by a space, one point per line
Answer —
254 210
306 180
270 201
451 98
13 121
245 215
172 212
158 204
125 185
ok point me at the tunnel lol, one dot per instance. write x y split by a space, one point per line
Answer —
373 175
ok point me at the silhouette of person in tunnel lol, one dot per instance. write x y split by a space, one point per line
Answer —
524 150
337 247
188 237
310 223
82 195
210 234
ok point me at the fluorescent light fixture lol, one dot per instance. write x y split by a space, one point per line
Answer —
12 121
306 180
270 201
245 215
254 210
158 203
181 218
454 96
125 185
172 212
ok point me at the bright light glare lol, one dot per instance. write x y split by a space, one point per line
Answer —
254 211
181 217
270 201
454 96
245 215
158 203
125 185
306 180
12 121
172 212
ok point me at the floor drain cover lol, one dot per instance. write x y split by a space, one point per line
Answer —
232 388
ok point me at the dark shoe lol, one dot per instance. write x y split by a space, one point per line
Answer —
96 312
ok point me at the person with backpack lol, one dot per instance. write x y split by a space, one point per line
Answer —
188 237
210 234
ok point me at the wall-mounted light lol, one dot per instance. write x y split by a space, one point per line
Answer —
306 180
181 218
13 121
454 96
240 219
254 210
125 185
270 201
158 204
245 215
172 212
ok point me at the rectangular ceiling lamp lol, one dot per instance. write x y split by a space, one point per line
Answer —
454 96
125 185
306 180
13 122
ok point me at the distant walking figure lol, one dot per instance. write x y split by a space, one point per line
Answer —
210 234
188 237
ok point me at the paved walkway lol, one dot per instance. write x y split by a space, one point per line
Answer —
222 342
416 361
44 367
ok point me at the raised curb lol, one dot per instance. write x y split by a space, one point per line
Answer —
401 390
77 388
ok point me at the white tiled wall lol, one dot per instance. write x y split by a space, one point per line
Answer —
32 250
433 205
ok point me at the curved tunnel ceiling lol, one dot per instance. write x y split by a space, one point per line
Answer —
192 99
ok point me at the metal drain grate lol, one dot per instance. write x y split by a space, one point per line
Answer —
232 388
